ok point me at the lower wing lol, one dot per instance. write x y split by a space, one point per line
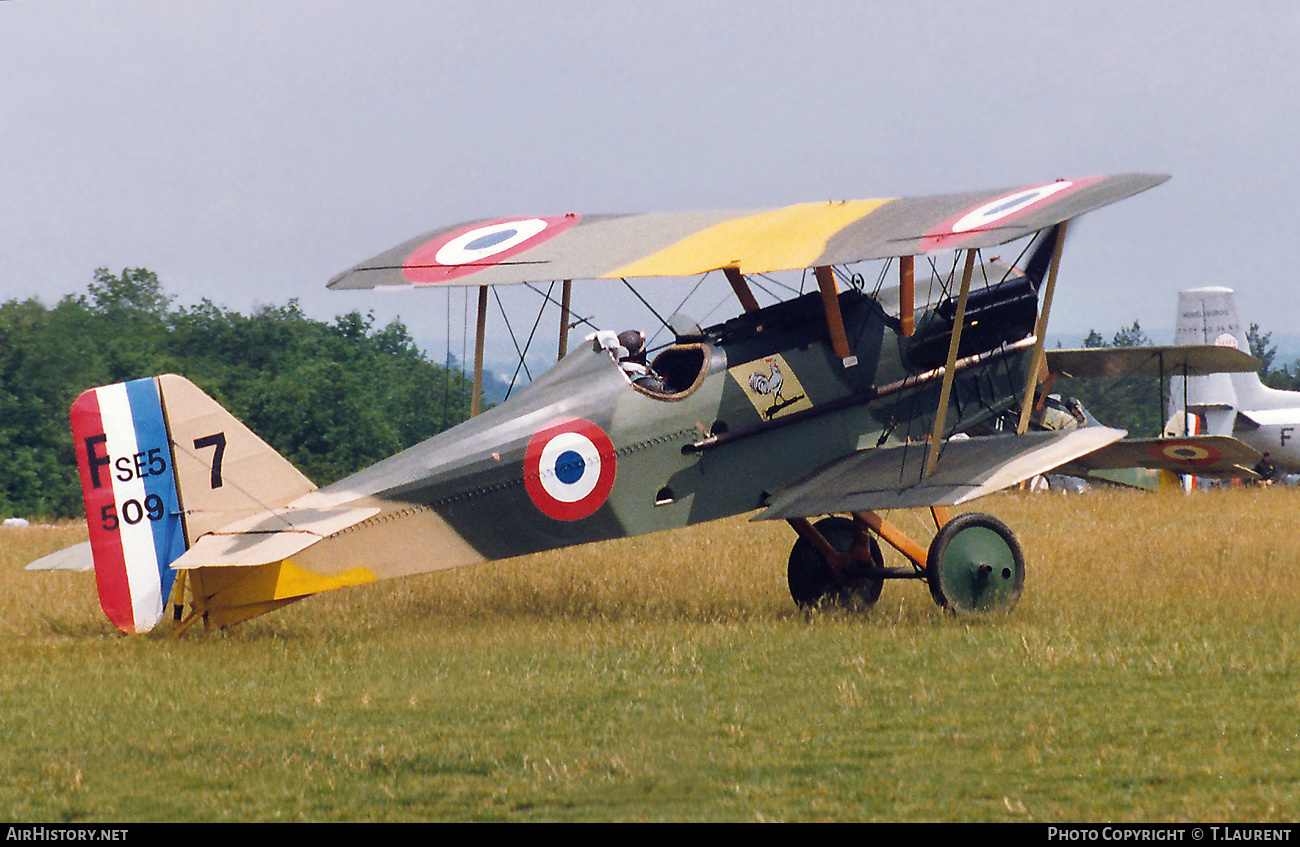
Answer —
893 477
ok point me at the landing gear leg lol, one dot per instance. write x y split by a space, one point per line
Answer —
833 562
974 566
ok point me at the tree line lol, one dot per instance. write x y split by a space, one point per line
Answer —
331 397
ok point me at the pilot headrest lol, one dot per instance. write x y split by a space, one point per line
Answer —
633 340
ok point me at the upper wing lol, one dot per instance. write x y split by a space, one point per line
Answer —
891 477
666 244
1197 360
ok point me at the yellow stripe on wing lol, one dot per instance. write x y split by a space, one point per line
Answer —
789 238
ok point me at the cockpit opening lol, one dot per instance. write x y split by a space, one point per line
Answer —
675 372
680 368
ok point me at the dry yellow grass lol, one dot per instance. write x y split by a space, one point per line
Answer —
1149 673
1112 557
35 603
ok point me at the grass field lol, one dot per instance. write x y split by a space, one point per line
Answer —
1150 673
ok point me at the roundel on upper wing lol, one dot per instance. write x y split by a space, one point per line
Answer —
998 212
569 469
472 248
1186 453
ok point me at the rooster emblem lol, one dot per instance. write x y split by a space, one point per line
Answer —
770 385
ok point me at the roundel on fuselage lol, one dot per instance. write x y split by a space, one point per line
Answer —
569 469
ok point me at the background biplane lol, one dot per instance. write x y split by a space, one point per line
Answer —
822 410
1150 462
1238 404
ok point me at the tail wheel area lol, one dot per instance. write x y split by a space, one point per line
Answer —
975 567
836 575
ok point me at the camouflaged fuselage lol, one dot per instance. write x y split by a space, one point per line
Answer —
758 403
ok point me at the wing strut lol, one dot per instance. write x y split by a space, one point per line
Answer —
738 285
906 296
1036 362
476 399
834 320
567 290
949 371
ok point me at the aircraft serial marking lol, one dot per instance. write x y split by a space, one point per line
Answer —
133 515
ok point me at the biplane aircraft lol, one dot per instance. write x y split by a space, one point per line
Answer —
1149 462
824 410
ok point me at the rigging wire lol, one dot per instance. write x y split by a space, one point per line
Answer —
690 294
945 291
529 343
546 296
725 298
774 281
645 303
763 288
513 340
677 311
446 365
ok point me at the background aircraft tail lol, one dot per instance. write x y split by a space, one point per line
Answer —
1209 316
162 463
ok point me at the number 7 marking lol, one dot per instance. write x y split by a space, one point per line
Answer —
218 441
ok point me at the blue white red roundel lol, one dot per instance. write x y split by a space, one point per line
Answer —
472 248
999 211
569 469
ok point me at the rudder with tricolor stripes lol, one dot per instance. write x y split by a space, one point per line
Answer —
133 510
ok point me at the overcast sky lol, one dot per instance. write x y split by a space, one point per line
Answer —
248 150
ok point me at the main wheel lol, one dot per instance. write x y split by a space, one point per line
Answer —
813 580
975 567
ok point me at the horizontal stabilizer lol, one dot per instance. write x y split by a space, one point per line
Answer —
891 477
78 557
1205 456
270 537
1256 418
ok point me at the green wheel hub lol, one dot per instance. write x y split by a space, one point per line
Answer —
975 567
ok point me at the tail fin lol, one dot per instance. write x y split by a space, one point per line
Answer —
161 463
1209 316
132 503
1206 316
1185 424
